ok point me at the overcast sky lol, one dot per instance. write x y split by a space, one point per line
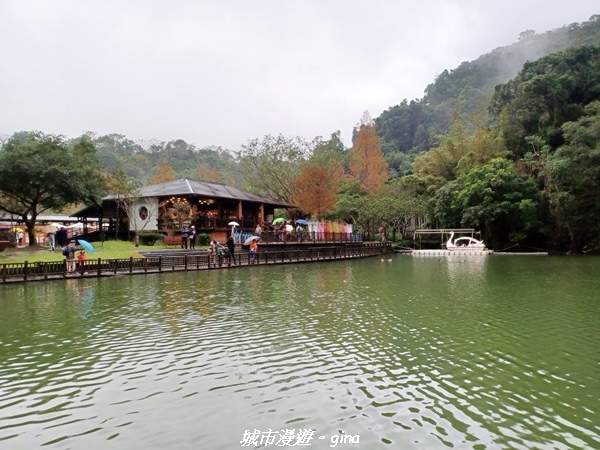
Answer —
222 72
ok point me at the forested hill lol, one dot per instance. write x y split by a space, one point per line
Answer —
415 126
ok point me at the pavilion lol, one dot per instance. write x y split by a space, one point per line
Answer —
164 207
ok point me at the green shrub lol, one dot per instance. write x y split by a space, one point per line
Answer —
203 239
150 238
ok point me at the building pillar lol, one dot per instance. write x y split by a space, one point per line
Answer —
261 214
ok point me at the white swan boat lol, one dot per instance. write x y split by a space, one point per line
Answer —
464 244
461 246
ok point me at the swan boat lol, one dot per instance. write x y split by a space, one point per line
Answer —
461 246
464 244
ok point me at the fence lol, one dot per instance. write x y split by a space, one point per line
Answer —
268 237
13 272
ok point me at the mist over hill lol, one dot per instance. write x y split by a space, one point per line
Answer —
412 127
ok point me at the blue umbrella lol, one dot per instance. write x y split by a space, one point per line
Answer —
85 244
302 222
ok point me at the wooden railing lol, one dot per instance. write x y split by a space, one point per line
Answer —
268 237
12 272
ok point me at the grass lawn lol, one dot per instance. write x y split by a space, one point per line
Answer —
104 250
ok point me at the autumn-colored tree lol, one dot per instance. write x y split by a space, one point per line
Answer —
206 173
367 162
316 187
164 174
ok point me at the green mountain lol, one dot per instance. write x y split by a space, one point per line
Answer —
413 127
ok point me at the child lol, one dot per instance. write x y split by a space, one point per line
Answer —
81 259
253 249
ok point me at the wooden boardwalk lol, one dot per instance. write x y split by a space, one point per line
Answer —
163 262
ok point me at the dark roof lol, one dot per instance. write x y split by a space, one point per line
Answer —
184 186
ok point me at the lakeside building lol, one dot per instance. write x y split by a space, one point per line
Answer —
165 207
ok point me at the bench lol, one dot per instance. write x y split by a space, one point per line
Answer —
172 240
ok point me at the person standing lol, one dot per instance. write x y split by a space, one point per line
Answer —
258 230
71 263
20 237
231 250
52 240
382 234
283 231
61 237
253 250
214 248
184 237
192 237
299 232
81 262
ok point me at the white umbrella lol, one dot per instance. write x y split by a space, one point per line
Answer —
289 228
250 239
233 224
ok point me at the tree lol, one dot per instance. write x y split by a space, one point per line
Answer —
124 193
181 210
572 181
316 187
367 162
547 93
270 166
164 174
206 173
40 172
400 204
494 197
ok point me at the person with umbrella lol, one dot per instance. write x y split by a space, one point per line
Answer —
253 250
233 224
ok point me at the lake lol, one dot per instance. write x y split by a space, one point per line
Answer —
497 352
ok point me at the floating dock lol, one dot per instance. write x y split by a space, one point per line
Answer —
449 252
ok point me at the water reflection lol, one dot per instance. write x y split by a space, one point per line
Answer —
412 353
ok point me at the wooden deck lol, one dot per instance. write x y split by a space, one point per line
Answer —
183 260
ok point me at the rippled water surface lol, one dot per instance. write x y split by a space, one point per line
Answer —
480 353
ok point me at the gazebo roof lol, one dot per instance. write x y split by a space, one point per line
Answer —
183 187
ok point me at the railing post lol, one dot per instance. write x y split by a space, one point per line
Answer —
131 264
185 262
64 268
160 263
45 271
25 267
99 266
4 273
